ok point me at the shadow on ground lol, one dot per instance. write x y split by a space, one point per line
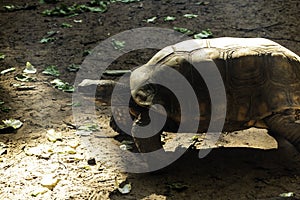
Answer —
231 173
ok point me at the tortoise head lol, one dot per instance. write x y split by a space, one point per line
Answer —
142 91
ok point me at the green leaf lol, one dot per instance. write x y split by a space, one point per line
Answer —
125 189
66 25
287 194
97 3
4 108
202 3
183 30
102 7
75 104
77 20
89 127
2 56
47 40
190 16
64 10
51 70
52 33
73 68
178 186
204 34
86 52
126 1
118 44
63 86
169 18
10 8
24 78
150 20
7 70
29 69
48 1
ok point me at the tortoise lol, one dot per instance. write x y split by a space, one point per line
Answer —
261 79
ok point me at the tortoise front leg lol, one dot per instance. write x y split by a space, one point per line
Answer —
285 126
148 144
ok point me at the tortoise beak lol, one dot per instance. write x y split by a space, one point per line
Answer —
141 91
144 96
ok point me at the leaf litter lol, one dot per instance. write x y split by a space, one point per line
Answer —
63 86
51 70
7 70
117 44
11 123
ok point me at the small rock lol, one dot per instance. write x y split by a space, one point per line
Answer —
91 161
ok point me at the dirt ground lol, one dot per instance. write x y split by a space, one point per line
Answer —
33 165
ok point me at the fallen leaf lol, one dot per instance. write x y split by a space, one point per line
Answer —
204 3
118 44
178 186
2 56
53 136
83 132
125 189
13 123
183 30
150 20
51 70
126 145
73 68
66 25
287 194
47 40
89 127
64 86
86 52
127 1
49 181
38 191
7 70
204 34
169 18
29 69
77 20
190 16
24 78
